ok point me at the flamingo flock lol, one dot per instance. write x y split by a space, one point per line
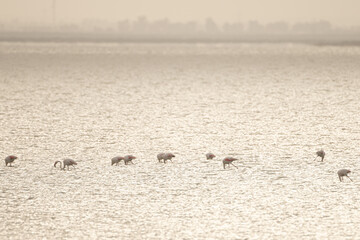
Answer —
163 157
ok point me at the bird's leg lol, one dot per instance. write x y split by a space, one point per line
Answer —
349 178
322 159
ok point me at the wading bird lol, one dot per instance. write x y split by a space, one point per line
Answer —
321 154
229 160
116 160
210 156
128 158
9 160
165 156
66 162
342 173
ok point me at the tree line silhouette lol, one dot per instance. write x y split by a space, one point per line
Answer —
142 26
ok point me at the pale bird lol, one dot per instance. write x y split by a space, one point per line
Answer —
228 161
320 153
165 156
343 173
66 162
210 156
10 159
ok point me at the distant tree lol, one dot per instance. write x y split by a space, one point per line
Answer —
210 26
141 25
191 27
277 27
255 27
68 28
233 28
161 26
313 27
124 26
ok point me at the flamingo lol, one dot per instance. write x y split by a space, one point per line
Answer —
210 156
66 162
128 158
165 156
9 160
320 153
343 172
116 160
229 160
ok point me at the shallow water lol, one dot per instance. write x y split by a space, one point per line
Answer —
271 105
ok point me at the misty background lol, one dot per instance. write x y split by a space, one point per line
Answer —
161 19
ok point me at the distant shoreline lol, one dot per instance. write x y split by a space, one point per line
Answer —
321 39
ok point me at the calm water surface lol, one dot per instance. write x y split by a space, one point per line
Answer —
271 105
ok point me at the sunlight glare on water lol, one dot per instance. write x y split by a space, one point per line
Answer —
270 105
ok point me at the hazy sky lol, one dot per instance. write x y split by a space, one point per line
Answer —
338 12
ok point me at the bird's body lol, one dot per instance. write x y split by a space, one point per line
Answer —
10 159
116 160
66 162
228 161
165 156
320 153
343 173
128 158
210 156
160 156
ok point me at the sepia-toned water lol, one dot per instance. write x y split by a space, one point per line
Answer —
270 105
